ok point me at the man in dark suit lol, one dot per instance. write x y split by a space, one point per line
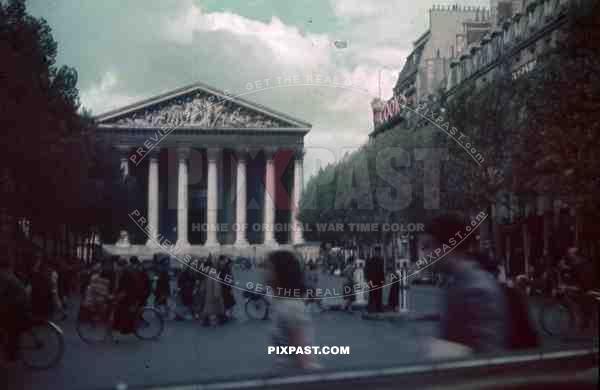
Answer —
376 278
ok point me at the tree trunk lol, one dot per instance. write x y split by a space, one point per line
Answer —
492 230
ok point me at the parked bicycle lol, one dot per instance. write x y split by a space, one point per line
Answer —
41 344
256 306
94 325
570 311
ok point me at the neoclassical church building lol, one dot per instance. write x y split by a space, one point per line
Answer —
212 173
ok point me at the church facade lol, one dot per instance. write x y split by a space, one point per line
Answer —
212 173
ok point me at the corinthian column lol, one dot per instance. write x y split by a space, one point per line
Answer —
269 204
182 199
152 198
241 201
212 198
297 235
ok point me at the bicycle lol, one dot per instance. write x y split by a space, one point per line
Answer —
257 306
563 315
41 343
95 325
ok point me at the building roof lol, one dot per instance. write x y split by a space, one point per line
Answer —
410 67
172 98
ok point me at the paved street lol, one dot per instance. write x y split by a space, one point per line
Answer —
188 352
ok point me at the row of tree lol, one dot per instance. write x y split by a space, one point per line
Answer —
537 134
55 173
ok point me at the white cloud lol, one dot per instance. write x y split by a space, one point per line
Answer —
105 95
145 51
281 44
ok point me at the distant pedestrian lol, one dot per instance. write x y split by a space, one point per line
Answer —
349 293
376 278
186 281
97 291
141 279
213 308
162 290
394 297
224 267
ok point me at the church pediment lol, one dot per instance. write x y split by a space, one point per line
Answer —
198 106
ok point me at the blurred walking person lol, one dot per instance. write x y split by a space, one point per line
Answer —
291 324
475 320
224 267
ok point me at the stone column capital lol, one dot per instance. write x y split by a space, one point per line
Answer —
153 154
183 153
242 153
269 152
123 150
214 154
299 154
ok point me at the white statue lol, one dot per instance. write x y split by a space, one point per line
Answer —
359 278
123 241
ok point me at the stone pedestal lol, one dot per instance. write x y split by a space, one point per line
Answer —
123 241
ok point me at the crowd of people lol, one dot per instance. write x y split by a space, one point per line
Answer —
480 316
187 293
37 288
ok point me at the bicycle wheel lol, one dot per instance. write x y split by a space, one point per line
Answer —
257 309
149 324
42 345
92 326
557 318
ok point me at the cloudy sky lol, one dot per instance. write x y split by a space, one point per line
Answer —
129 50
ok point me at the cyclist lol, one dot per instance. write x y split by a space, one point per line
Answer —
99 288
128 297
45 297
584 275
142 280
185 282
13 302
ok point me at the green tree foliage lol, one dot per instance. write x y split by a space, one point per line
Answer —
561 97
53 169
365 187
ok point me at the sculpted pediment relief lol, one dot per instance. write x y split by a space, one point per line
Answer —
199 109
